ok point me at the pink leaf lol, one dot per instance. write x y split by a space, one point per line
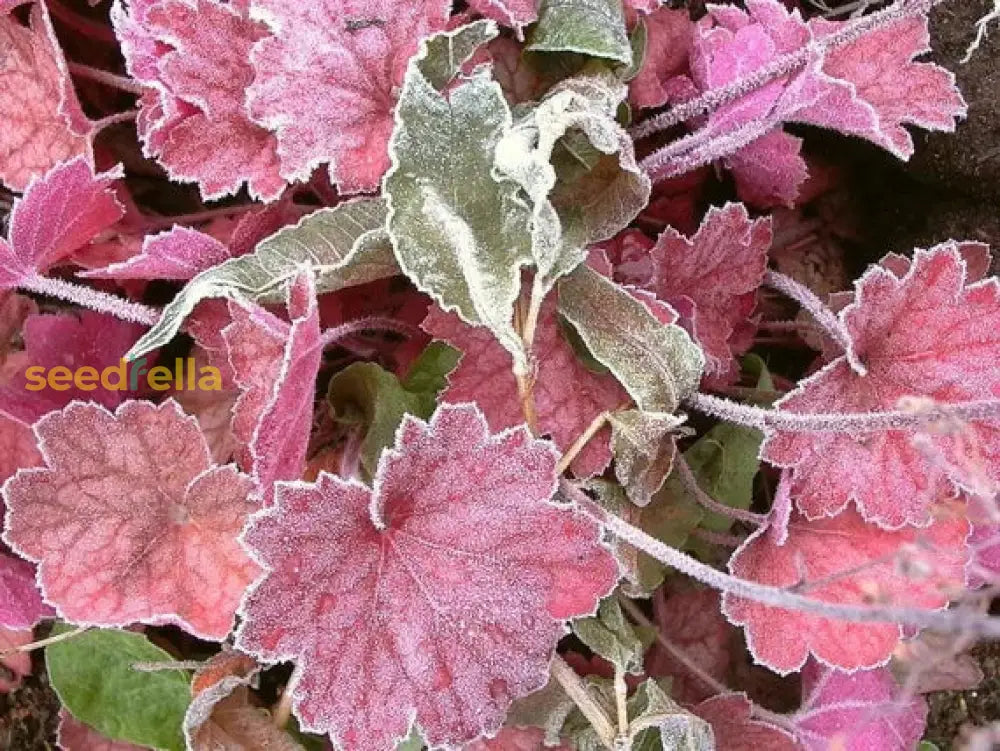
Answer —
34 87
21 605
668 44
857 712
513 13
58 214
927 334
281 434
327 81
129 520
844 560
769 171
195 57
432 596
180 253
17 444
736 730
568 396
18 664
78 736
515 739
719 269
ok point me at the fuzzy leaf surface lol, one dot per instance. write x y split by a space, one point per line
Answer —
430 596
925 334
93 676
589 27
21 603
458 234
344 245
129 520
179 253
735 729
643 445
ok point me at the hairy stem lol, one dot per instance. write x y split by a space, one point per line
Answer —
950 621
32 646
582 440
120 117
576 689
368 323
93 299
713 99
166 222
690 483
843 422
112 80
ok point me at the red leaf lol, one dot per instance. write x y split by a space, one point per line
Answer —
327 81
21 605
515 739
17 445
58 214
568 396
844 560
179 253
926 334
857 712
36 97
513 13
129 520
195 57
78 736
432 596
736 730
719 269
668 45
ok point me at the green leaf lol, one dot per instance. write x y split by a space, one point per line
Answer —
657 721
590 27
638 40
93 676
577 166
459 235
546 708
414 742
611 636
345 246
643 447
364 394
657 363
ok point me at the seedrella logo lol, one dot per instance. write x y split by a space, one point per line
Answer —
126 376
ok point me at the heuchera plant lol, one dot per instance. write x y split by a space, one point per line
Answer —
493 458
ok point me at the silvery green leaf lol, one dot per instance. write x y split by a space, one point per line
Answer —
458 234
345 245
577 166
657 363
590 27
548 708
639 41
643 446
656 718
611 636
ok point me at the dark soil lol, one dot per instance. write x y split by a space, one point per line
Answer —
29 716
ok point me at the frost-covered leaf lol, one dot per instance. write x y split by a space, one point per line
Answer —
194 57
928 334
654 359
933 661
611 636
58 213
577 167
735 729
669 32
93 676
21 605
73 735
129 520
179 253
430 596
17 444
513 13
719 269
657 721
856 712
590 27
366 394
326 81
643 445
344 245
460 235
34 90
568 396
516 739
910 567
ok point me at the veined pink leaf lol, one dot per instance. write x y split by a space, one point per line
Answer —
844 560
34 91
21 603
857 712
195 57
58 213
74 735
326 82
927 334
669 34
430 597
568 396
719 270
281 435
179 253
129 520
735 729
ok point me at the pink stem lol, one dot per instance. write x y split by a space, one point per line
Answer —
369 323
85 26
197 217
93 299
120 117
107 78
